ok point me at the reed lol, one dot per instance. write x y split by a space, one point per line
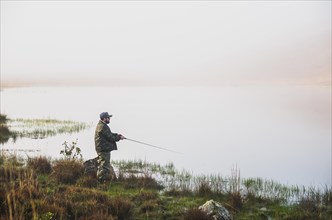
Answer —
42 128
18 189
176 182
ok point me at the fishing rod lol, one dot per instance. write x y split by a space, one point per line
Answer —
152 145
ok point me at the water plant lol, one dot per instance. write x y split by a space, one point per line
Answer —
237 189
42 128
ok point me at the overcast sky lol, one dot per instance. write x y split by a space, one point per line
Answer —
165 42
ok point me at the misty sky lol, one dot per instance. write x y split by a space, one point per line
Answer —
165 42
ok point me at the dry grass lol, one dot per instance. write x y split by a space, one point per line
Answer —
146 195
235 201
121 208
135 181
19 188
87 181
40 165
29 190
196 214
67 171
204 189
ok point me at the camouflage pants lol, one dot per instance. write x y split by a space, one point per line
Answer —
105 170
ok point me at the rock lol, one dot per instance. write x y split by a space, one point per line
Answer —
91 167
216 210
263 209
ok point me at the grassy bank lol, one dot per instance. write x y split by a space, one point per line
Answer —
42 188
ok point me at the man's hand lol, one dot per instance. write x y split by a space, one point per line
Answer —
122 137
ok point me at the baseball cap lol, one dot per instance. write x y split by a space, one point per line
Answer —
105 115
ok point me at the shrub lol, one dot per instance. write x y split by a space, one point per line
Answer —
81 203
18 190
204 189
87 181
41 165
67 171
121 208
9 174
4 131
235 200
71 152
146 182
327 196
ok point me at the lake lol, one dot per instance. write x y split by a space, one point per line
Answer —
281 133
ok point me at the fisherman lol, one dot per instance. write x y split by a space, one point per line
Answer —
105 142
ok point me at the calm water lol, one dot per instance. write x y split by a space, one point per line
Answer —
279 133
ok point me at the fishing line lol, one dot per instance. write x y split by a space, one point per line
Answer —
152 145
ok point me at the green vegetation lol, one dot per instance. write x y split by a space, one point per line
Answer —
71 151
5 134
42 128
40 188
43 188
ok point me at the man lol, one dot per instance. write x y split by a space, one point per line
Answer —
105 142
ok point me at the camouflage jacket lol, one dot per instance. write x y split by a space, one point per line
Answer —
105 140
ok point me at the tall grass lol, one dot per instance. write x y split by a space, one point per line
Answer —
39 188
184 181
17 188
237 193
42 128
26 194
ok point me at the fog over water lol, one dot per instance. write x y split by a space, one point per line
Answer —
281 132
165 42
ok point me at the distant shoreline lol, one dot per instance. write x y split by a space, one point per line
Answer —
24 84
